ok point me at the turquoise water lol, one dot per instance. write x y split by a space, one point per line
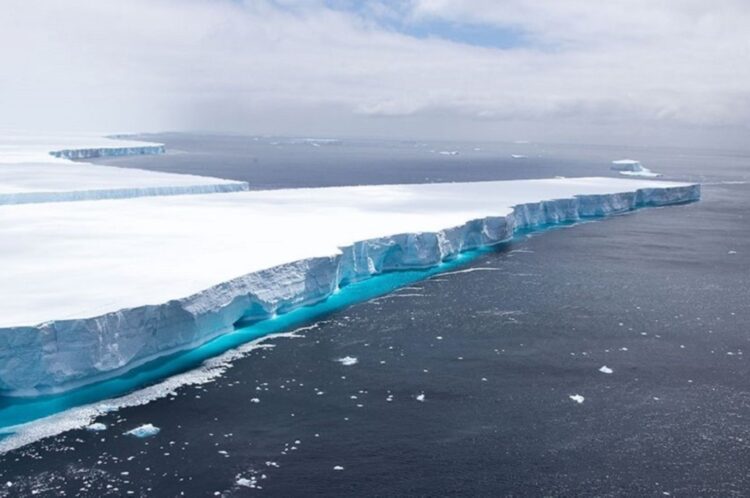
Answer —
14 411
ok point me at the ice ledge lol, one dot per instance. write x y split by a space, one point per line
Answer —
62 354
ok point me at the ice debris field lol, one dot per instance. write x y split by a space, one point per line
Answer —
94 285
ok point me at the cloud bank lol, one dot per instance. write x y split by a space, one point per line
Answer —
573 70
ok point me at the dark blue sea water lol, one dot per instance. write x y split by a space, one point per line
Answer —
462 380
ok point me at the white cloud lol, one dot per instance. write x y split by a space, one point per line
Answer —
293 66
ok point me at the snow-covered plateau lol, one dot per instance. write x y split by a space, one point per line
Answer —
40 169
93 288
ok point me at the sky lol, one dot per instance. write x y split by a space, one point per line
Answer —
651 72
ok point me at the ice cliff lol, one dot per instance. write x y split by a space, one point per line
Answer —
92 152
61 354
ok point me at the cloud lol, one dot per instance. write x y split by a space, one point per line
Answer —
340 67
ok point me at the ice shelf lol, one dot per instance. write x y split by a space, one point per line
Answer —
95 287
40 169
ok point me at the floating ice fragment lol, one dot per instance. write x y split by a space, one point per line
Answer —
606 370
348 361
630 167
577 398
145 430
96 427
420 398
254 400
338 467
246 483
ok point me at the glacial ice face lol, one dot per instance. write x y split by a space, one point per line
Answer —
63 354
92 152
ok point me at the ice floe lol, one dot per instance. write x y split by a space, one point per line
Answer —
144 431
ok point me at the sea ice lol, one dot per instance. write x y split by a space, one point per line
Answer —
97 427
606 370
577 398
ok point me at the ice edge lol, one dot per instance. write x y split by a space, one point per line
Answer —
92 152
64 354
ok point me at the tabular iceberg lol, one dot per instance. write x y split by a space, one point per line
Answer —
295 247
40 169
631 167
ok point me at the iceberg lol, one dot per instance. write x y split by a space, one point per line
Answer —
143 431
146 277
40 169
631 167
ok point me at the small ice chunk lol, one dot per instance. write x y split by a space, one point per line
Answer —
143 431
338 467
96 427
348 361
246 483
577 398
254 400
420 398
606 370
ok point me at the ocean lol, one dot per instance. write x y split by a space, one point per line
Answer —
457 382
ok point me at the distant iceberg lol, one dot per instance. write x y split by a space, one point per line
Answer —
631 167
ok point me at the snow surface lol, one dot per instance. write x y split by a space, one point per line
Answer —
29 173
93 287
